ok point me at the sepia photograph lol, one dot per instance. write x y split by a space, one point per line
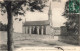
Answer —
39 25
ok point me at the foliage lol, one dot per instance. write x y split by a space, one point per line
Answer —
3 27
70 13
18 6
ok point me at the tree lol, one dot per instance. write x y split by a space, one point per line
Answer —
72 23
3 27
14 8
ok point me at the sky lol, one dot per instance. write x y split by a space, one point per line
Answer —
57 18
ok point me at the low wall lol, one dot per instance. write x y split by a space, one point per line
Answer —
69 39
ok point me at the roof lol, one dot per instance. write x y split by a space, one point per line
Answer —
30 23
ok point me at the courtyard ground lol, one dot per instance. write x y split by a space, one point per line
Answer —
31 40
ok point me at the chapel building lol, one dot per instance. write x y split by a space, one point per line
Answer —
39 27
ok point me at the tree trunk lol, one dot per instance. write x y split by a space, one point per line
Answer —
10 42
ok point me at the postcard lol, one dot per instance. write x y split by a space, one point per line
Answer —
39 25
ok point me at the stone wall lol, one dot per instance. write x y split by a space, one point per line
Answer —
57 31
63 30
49 30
